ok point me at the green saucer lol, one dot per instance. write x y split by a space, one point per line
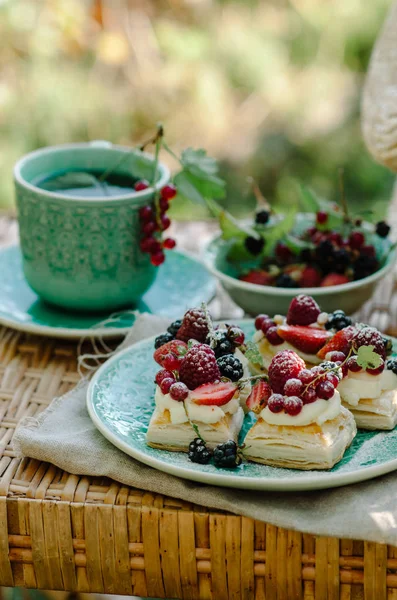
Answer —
182 282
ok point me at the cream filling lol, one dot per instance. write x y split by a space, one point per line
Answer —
177 409
317 412
362 385
268 350
181 412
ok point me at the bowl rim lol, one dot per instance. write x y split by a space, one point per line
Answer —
208 255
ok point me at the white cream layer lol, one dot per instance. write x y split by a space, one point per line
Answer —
181 412
362 385
267 350
317 412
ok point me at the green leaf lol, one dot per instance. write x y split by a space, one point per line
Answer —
253 355
198 162
296 245
198 179
280 229
232 229
187 189
367 358
308 201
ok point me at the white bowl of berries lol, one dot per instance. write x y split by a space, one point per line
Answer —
325 254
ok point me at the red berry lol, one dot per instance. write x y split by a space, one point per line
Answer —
321 217
259 396
356 240
369 336
168 191
259 320
352 365
336 356
310 278
199 366
272 336
151 245
293 387
166 384
194 326
303 310
164 205
169 243
283 252
332 378
336 238
164 374
157 258
179 391
257 277
165 222
368 251
276 403
378 370
293 405
175 349
267 324
284 365
140 185
306 339
236 335
334 279
171 362
146 213
306 376
344 369
309 395
325 390
340 342
149 227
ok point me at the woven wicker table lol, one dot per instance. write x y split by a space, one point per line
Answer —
64 532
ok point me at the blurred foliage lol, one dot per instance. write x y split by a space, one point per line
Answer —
270 87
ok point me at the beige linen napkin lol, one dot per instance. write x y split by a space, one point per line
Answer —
65 436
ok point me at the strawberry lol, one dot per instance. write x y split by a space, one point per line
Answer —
340 342
171 353
305 339
214 394
259 396
310 277
258 277
303 310
285 365
334 279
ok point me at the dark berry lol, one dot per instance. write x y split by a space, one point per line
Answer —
236 335
356 240
198 452
391 365
338 320
368 251
174 327
388 344
140 185
163 339
328 365
262 217
253 245
179 391
283 252
157 259
226 455
230 367
321 217
306 376
364 266
382 229
268 324
325 249
285 281
341 260
337 356
168 191
306 255
223 346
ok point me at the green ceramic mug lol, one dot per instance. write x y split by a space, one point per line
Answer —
78 253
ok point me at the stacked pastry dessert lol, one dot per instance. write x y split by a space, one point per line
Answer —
201 386
301 422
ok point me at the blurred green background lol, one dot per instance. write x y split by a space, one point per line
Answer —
272 88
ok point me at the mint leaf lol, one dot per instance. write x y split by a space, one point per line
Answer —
281 228
232 228
198 180
253 355
367 358
187 189
198 163
308 200
296 245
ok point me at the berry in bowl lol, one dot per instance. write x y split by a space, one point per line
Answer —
321 251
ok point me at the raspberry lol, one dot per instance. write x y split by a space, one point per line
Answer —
179 391
285 365
325 390
352 365
199 366
293 405
163 374
272 336
303 310
293 387
230 367
194 326
369 336
166 384
276 403
198 452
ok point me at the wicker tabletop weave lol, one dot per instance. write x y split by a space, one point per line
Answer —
65 532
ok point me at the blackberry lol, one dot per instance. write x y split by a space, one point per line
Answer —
328 365
223 343
254 245
306 255
391 365
173 328
388 344
226 455
338 320
198 452
262 217
341 260
162 339
325 249
286 281
382 229
364 266
230 367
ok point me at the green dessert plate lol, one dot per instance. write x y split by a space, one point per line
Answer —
20 307
120 402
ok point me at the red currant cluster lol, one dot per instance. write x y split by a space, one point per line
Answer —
154 220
